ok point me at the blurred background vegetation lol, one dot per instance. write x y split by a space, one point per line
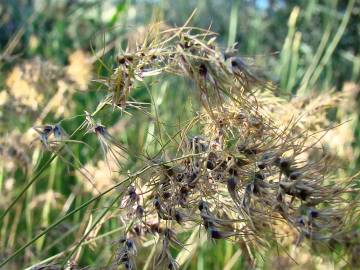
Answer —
49 54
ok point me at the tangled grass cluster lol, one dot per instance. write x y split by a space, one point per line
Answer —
243 178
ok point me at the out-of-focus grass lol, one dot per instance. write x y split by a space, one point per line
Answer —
311 46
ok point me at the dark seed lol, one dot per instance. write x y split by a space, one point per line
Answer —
100 129
157 204
259 176
202 70
216 234
210 165
241 162
178 217
233 172
203 206
294 175
261 166
284 164
129 244
47 129
231 184
139 211
314 213
184 190
57 131
120 60
166 195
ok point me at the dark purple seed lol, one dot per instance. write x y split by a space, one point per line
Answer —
140 210
179 177
47 129
202 70
193 176
100 129
294 175
129 244
216 234
157 204
202 205
259 176
302 222
11 151
57 131
178 217
125 258
171 266
314 213
210 165
233 172
284 164
127 265
261 165
231 184
166 195
137 230
120 60
184 190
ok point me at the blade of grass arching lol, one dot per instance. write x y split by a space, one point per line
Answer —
4 233
12 236
27 186
58 240
233 23
228 251
286 51
29 217
233 260
29 212
47 205
355 77
105 211
1 176
333 44
355 60
86 231
310 70
294 61
49 259
149 258
192 244
156 104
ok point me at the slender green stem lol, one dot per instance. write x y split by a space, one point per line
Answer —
52 226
